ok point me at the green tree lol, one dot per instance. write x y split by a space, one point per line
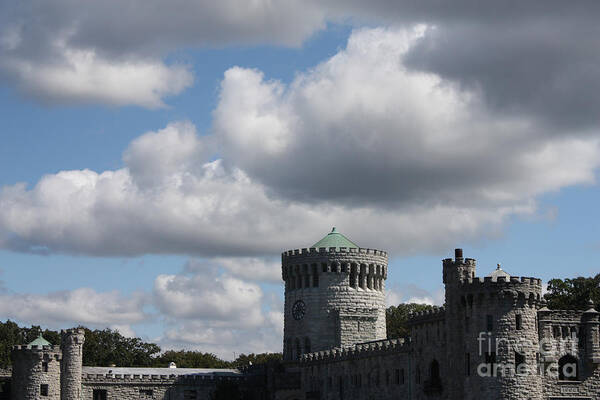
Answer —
396 318
245 359
573 293
106 347
190 359
12 334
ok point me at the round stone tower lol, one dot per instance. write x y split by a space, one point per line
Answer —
36 371
492 321
334 295
72 364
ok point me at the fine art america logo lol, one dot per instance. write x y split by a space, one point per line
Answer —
509 357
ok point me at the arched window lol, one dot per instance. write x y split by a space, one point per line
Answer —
353 282
298 349
567 368
362 275
289 351
434 374
306 345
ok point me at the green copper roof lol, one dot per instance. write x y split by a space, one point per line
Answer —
335 239
40 341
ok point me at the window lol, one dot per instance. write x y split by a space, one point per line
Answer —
324 266
353 276
397 377
298 349
189 395
434 374
467 364
490 323
315 276
519 322
146 393
44 366
567 368
306 345
402 376
44 390
306 281
519 362
99 394
418 375
387 377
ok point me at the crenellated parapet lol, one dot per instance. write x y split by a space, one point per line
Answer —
359 350
309 262
433 315
524 289
156 379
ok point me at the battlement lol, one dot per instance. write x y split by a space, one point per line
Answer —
359 350
328 250
501 282
459 260
436 314
36 349
162 379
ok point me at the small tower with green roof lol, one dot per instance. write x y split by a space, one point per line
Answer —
334 295
36 371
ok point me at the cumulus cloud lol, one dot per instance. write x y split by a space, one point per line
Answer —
401 160
361 127
79 306
112 53
82 76
532 58
410 293
206 296
209 310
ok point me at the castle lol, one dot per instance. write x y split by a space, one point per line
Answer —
493 339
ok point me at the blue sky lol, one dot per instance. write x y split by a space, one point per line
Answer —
149 179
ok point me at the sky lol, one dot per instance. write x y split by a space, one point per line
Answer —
156 159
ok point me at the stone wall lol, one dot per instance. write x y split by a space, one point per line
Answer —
163 387
379 371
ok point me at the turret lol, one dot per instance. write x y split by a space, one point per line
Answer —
72 352
334 295
36 371
591 322
458 270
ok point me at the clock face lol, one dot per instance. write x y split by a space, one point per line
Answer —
298 310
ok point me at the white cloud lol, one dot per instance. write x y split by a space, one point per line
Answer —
251 268
83 76
410 293
396 159
208 310
208 296
79 306
110 53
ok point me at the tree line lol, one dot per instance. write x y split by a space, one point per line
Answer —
107 347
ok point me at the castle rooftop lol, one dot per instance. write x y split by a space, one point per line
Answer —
40 341
499 272
335 239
